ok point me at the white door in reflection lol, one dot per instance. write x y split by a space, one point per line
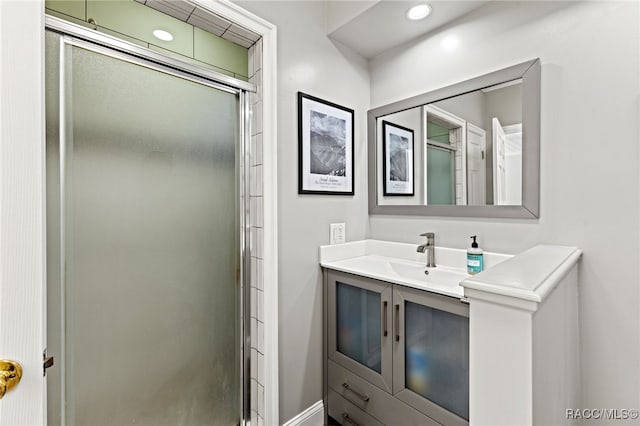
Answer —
499 164
513 162
507 151
143 243
476 166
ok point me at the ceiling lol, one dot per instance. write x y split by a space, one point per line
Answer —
201 18
384 24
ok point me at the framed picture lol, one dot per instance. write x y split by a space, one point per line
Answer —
397 159
325 147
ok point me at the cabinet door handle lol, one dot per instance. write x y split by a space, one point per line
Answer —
348 420
397 323
363 397
384 318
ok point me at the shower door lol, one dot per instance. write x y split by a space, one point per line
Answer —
144 242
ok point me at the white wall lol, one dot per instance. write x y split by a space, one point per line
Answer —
589 176
308 61
470 107
513 177
506 105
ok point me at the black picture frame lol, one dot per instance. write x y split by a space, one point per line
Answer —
392 185
326 163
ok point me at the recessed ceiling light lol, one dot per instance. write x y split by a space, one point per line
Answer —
163 35
419 11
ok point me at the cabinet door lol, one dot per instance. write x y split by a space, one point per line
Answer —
431 354
359 323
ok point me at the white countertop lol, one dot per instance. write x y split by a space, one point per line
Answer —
529 276
399 263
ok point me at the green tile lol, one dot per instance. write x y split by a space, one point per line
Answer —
192 61
138 21
221 53
100 29
134 22
68 18
74 8
122 36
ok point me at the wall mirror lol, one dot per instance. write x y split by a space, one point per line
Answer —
471 149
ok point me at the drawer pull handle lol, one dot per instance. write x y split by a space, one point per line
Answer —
384 318
397 323
346 386
348 420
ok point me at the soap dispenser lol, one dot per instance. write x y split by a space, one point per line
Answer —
475 261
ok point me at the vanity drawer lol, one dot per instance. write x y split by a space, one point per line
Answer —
347 413
372 399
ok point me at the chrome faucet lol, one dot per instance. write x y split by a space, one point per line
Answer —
430 248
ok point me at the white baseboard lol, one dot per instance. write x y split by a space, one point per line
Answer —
312 416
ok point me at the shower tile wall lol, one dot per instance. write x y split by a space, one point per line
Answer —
257 213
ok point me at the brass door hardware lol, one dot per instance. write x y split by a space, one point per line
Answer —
10 375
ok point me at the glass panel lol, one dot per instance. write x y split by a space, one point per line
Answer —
152 318
437 356
358 325
438 133
439 176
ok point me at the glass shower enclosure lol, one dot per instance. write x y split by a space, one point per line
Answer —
145 241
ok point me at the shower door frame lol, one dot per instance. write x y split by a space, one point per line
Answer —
73 35
22 195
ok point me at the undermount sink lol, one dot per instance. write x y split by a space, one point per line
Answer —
441 279
416 271
399 263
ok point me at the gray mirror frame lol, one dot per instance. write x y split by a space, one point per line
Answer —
529 72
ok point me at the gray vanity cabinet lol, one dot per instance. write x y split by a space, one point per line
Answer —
431 354
394 355
359 327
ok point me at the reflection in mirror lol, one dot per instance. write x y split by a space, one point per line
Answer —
471 149
467 149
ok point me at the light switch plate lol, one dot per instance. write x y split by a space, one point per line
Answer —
337 233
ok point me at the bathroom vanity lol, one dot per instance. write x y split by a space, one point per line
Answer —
407 347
